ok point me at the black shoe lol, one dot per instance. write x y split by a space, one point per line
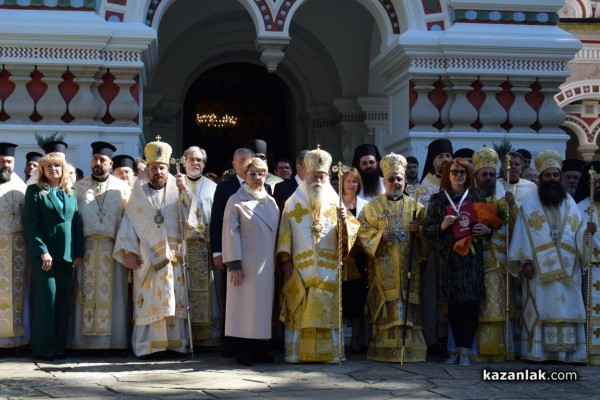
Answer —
45 357
227 353
356 351
245 360
264 358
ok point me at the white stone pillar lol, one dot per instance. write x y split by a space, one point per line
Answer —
84 106
491 113
19 105
124 108
51 106
423 114
521 114
550 115
462 113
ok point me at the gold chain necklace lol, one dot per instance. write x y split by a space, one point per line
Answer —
158 218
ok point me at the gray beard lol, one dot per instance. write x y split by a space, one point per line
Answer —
5 176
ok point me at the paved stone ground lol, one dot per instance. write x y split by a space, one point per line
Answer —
209 376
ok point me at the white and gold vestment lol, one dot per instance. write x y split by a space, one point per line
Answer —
14 277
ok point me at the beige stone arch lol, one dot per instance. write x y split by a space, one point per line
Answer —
574 97
587 146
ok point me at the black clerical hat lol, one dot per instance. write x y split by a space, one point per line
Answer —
258 146
55 146
436 147
122 160
33 156
583 186
463 153
103 148
572 164
365 149
7 149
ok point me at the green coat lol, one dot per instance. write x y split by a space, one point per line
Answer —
50 229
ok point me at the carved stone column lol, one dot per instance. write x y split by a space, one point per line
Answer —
19 105
491 113
462 113
51 106
423 114
124 108
521 114
84 107
550 115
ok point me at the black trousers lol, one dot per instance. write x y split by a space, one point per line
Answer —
463 319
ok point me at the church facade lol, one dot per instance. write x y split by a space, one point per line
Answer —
396 73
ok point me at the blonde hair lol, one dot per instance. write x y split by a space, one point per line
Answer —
255 162
51 158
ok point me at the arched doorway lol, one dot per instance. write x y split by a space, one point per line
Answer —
259 101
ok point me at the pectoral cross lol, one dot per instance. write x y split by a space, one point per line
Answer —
100 214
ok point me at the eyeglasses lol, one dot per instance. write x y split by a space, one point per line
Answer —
392 179
487 174
457 172
192 159
256 174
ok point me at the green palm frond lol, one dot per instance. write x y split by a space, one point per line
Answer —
503 148
41 141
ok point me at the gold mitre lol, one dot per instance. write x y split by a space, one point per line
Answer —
393 164
317 160
485 157
158 152
547 159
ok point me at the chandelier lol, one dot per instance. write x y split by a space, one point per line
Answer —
215 121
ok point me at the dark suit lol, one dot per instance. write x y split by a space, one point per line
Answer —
55 229
283 190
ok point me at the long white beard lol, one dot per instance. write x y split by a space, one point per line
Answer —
316 194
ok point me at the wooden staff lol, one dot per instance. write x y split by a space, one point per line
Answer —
589 244
507 283
416 190
183 226
340 169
